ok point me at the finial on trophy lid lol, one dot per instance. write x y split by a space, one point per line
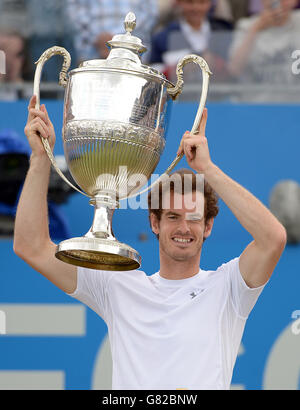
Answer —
130 22
126 41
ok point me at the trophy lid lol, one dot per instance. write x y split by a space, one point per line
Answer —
128 41
124 56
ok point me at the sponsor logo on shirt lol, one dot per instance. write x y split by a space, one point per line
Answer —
195 293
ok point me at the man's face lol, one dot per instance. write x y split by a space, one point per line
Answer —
182 227
194 11
13 48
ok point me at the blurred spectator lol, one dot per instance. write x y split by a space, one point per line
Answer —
254 7
223 10
13 46
166 13
42 25
263 45
16 59
284 203
14 162
165 5
243 8
237 9
193 31
234 10
49 27
13 16
97 21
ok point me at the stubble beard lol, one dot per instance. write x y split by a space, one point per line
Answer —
180 256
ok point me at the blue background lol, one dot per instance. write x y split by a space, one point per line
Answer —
257 146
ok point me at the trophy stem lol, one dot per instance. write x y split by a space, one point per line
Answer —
102 223
98 248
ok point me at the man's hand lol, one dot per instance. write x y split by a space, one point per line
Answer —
271 18
38 125
195 147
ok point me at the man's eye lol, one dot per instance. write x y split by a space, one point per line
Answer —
172 217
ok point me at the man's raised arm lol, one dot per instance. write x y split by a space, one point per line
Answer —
260 257
31 236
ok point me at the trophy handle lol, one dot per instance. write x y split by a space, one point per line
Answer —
50 52
174 92
177 90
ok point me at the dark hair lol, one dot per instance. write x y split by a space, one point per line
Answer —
211 208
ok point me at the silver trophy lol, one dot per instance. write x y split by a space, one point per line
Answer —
115 118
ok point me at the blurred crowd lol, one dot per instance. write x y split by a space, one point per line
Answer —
243 41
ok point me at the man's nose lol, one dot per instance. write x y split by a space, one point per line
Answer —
184 226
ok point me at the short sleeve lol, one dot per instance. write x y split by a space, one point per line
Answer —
243 298
92 289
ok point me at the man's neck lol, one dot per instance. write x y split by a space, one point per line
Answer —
175 270
195 26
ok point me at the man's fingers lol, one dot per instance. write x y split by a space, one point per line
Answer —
189 150
43 108
41 122
31 105
33 113
188 135
38 128
180 149
202 125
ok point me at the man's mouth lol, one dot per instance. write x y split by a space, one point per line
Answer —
181 241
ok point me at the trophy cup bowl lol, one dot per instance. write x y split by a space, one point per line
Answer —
116 113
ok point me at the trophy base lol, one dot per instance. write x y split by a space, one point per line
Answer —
98 253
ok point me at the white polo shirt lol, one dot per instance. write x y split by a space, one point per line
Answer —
170 334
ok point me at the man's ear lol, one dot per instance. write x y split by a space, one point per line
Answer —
208 227
154 223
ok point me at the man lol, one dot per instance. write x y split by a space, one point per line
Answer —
181 327
14 66
193 31
262 48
